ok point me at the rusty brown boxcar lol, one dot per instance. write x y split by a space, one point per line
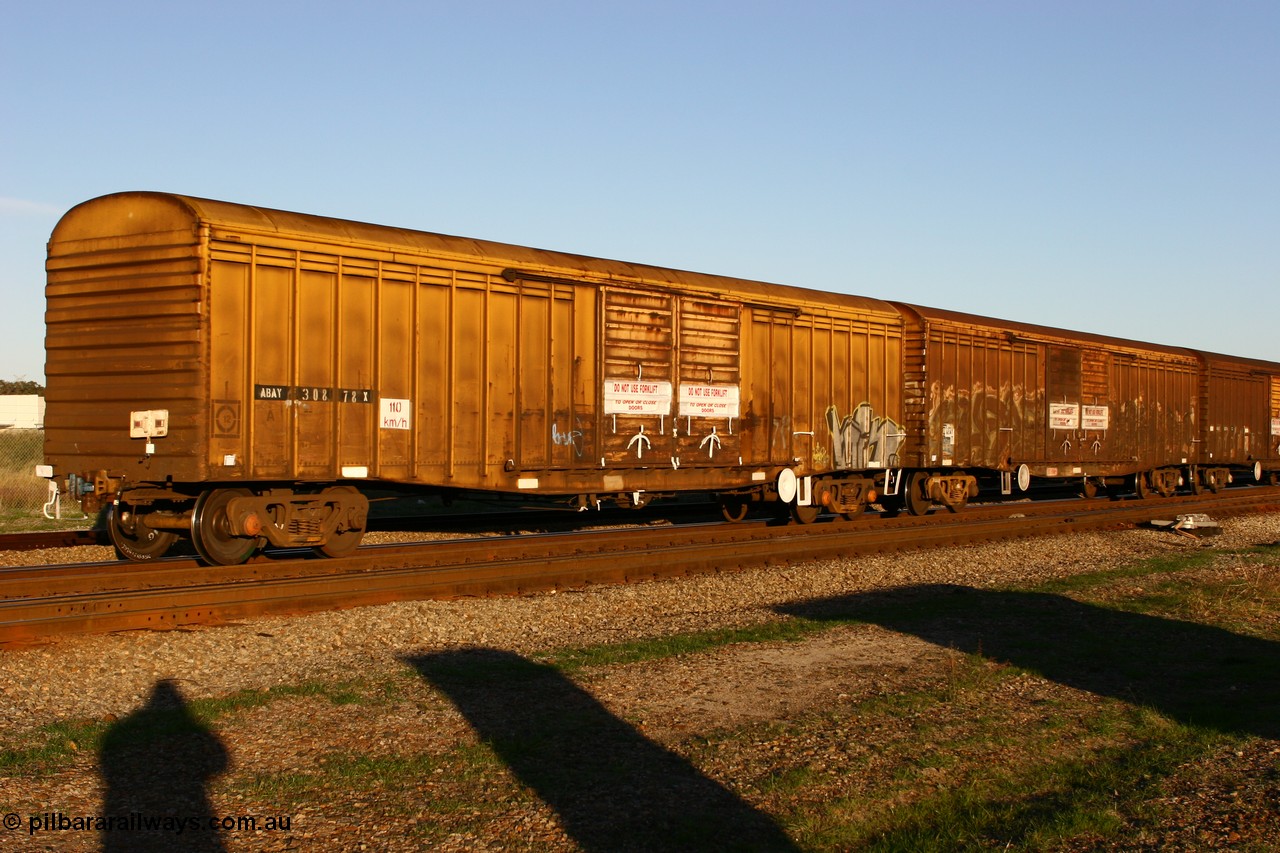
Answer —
234 373
1030 401
1240 433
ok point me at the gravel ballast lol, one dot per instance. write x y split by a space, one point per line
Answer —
97 676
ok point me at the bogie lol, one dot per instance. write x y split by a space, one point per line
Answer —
227 525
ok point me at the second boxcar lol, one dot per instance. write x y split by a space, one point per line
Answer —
1027 401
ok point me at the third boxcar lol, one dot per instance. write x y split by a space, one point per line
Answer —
1240 433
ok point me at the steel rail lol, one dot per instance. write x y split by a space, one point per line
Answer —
174 593
37 539
485 521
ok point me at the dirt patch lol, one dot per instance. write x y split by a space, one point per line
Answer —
753 682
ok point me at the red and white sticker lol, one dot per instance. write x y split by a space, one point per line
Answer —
1064 416
396 414
636 397
1095 417
708 401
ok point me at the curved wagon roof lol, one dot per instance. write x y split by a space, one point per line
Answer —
1014 330
137 213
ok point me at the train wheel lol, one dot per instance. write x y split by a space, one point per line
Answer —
1090 488
140 543
211 529
917 501
1140 486
734 507
805 514
342 542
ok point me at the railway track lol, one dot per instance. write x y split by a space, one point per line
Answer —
479 522
37 539
38 602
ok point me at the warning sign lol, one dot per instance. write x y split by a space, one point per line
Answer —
1064 416
1094 417
637 398
708 401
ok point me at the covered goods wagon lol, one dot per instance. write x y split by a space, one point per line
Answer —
1241 431
238 374
1026 400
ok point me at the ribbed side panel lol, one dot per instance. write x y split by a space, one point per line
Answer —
1273 450
1203 448
1095 373
915 402
1238 429
710 341
123 334
639 335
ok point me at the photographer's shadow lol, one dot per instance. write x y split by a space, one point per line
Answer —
156 764
1196 674
613 788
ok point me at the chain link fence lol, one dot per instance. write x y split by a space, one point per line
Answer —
26 502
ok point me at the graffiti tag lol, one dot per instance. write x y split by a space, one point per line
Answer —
862 439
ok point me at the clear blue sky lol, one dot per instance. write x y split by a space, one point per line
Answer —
1112 167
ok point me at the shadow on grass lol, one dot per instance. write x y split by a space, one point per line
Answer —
1196 674
156 764
613 788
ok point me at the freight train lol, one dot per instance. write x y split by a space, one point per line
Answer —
244 377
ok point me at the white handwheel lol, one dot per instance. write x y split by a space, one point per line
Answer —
787 486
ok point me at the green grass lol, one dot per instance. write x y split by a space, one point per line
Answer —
51 746
1164 564
1028 804
1189 586
465 780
